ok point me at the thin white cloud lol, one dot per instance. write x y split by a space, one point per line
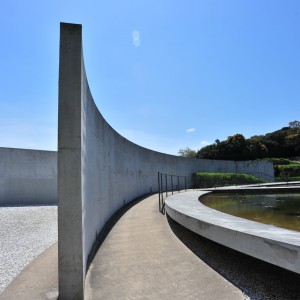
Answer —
204 143
136 38
191 130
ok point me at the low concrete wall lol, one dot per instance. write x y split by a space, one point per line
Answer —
272 244
99 171
27 177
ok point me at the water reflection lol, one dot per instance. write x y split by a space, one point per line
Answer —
282 210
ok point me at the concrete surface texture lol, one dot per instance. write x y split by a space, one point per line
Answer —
146 256
272 244
27 177
141 258
99 171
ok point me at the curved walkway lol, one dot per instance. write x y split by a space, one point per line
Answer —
141 258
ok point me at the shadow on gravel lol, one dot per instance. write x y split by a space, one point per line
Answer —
255 278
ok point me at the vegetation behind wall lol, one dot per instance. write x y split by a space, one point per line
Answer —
208 179
285 169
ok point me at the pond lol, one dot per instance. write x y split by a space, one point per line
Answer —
281 210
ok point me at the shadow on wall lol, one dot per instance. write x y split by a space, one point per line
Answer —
255 278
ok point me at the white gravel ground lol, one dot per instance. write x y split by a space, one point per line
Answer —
25 232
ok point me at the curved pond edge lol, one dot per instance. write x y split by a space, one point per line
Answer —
278 246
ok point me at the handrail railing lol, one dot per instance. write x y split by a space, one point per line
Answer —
169 183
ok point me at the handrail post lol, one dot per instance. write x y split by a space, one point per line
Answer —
161 186
166 178
172 183
185 182
158 186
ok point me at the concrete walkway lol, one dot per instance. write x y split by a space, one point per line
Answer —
141 258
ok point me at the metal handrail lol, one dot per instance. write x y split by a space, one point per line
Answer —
165 186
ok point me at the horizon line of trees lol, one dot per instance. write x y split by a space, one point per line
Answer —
280 143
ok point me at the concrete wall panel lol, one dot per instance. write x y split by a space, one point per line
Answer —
28 177
99 171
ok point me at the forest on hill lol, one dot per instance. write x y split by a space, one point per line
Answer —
283 143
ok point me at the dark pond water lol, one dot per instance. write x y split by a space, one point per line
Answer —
282 210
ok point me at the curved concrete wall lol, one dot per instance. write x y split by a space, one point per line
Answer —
98 170
27 177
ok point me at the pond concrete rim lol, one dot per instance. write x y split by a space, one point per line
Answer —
272 244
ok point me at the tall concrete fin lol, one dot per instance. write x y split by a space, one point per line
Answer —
71 272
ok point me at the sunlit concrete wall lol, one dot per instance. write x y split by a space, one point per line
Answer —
28 177
99 171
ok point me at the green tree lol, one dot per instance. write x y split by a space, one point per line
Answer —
187 152
280 143
294 124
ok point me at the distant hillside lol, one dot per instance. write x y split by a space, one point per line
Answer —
283 143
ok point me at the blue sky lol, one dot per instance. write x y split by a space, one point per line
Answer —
165 74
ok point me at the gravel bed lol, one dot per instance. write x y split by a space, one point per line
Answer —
25 232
